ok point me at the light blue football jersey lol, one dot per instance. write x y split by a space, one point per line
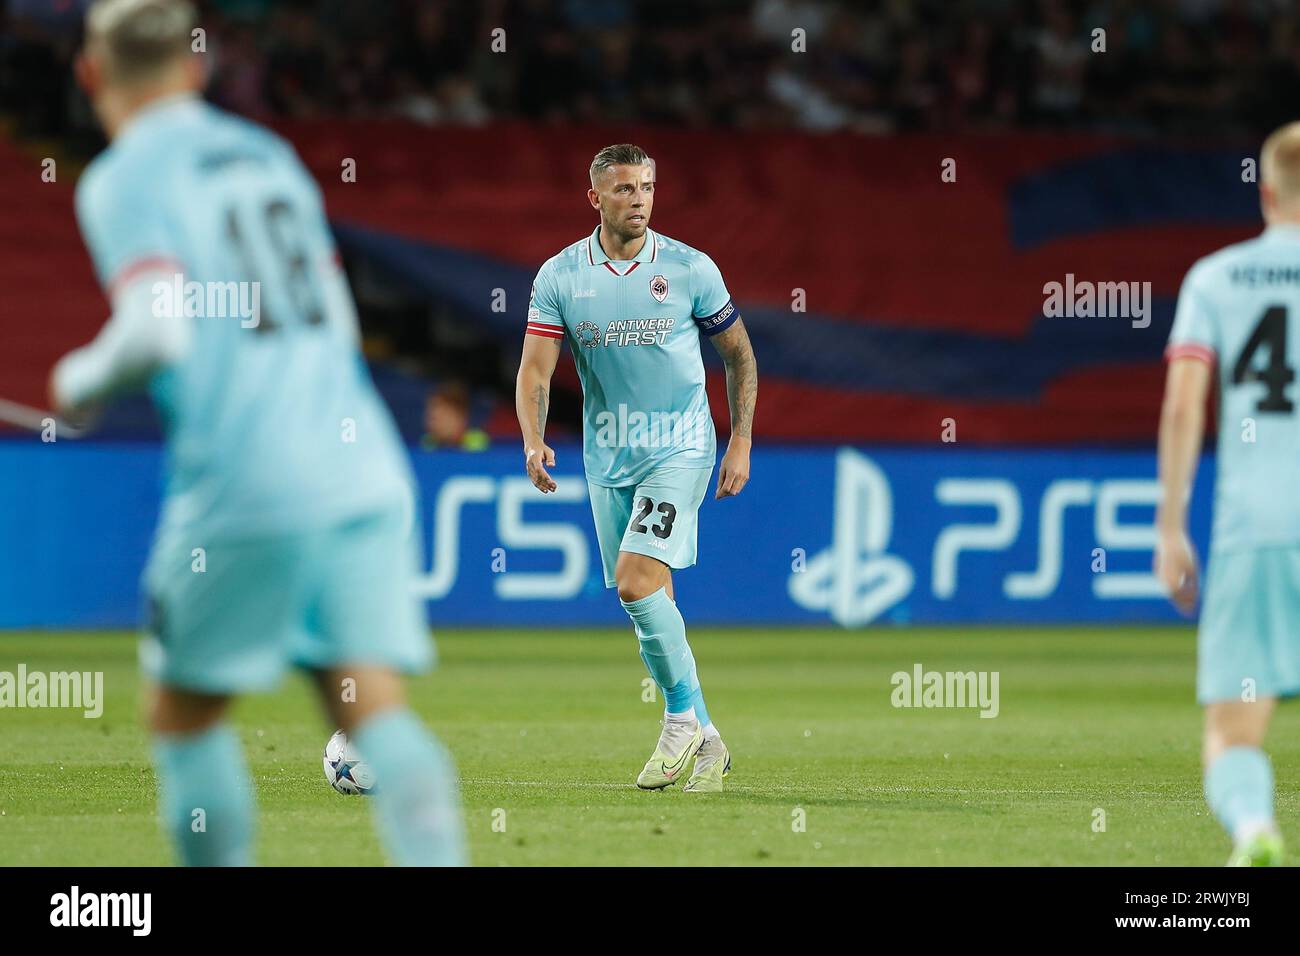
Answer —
1240 308
634 329
273 427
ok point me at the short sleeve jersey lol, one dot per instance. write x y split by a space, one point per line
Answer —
1239 309
634 328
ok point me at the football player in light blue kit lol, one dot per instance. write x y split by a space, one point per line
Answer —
1238 321
633 305
285 534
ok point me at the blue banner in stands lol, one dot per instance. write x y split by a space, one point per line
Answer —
846 536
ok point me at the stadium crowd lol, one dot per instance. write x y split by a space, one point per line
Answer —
872 66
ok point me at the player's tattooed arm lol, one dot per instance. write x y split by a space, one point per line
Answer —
742 376
532 403
541 409
742 395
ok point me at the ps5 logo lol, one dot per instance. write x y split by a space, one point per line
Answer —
508 495
1107 498
854 580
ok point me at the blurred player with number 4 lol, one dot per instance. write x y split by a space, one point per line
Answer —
1238 322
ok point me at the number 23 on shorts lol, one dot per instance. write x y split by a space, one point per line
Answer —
645 506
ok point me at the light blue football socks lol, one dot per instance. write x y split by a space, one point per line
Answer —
1239 789
416 797
206 796
207 807
662 635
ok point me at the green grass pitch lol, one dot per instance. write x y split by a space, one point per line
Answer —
549 729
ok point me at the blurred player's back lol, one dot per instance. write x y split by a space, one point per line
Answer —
273 423
285 535
1236 319
1236 307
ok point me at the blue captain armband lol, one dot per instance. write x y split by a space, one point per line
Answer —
719 321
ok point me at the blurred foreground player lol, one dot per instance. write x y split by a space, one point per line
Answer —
285 532
633 306
1239 316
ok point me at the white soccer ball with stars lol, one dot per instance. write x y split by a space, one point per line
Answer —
344 768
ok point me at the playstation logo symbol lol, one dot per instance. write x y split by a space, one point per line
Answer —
854 580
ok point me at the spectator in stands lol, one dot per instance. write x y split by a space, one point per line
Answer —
239 82
447 420
1061 67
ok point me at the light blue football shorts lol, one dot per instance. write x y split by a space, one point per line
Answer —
336 596
1249 636
658 517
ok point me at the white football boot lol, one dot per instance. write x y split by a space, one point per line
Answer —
678 743
712 763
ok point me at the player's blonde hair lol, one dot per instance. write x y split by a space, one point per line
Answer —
138 39
623 154
1279 164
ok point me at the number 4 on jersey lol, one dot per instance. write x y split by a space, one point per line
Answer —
1277 375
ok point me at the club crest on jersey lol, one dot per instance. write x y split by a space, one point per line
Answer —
588 334
659 288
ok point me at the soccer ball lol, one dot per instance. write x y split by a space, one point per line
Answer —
344 768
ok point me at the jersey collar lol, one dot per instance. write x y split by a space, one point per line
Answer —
158 109
596 255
